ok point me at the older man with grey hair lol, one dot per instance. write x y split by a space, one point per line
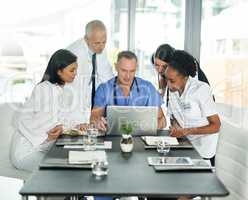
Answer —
93 67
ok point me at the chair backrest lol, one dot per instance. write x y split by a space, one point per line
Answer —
238 116
232 160
7 111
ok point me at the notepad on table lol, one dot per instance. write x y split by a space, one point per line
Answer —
86 157
104 145
153 140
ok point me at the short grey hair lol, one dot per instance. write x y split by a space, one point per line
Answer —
94 25
128 55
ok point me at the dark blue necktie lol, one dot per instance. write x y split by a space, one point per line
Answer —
93 79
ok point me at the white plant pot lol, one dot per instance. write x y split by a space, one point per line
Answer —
126 147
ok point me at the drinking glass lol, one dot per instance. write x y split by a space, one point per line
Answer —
99 167
90 139
92 132
163 147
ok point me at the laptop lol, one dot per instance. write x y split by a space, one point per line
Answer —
142 118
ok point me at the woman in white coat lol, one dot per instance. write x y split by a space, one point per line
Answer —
42 118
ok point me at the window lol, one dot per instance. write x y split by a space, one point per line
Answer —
157 22
33 30
224 49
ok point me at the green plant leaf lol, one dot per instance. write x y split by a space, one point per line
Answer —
126 128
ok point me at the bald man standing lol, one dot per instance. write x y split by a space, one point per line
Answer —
93 67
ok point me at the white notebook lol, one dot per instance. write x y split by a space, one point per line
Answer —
86 157
152 140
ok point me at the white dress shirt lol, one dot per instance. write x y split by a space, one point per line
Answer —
82 85
191 109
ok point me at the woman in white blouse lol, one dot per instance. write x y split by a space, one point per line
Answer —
42 118
191 106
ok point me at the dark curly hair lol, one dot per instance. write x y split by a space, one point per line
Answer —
184 63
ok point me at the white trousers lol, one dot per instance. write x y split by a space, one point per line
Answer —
23 155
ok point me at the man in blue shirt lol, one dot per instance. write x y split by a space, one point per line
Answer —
125 90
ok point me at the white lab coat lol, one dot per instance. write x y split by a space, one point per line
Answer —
48 106
82 86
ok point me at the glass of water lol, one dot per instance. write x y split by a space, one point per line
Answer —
100 167
163 147
92 132
90 139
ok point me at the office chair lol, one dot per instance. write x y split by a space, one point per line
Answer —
232 161
6 132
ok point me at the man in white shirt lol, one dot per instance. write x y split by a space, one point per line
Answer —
93 67
191 106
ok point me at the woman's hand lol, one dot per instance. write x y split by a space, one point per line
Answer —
83 127
54 133
178 132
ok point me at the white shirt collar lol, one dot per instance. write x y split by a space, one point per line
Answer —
89 51
186 88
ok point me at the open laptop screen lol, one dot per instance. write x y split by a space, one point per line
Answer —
142 118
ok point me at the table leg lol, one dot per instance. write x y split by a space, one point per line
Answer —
41 198
25 197
75 197
205 198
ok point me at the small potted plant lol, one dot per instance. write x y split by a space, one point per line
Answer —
126 142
